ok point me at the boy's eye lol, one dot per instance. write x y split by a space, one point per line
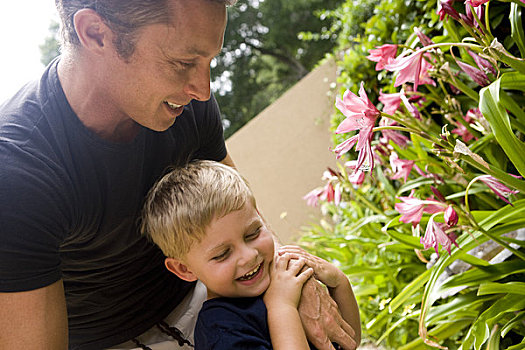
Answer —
221 256
254 235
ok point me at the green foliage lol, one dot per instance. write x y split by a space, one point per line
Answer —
267 49
410 297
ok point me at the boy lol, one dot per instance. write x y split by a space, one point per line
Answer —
204 218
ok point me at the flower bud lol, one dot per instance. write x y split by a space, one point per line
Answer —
451 217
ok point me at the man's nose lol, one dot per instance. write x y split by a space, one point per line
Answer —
198 86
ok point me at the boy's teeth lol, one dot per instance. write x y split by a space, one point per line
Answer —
250 274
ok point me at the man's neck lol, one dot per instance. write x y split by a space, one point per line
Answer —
85 94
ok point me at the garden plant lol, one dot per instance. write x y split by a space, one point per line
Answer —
426 210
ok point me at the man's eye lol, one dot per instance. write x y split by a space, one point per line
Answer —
184 65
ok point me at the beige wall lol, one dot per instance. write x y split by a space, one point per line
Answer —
285 149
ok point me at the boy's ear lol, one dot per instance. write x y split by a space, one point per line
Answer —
181 270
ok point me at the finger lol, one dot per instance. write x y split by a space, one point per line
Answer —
343 339
282 262
305 275
291 249
295 266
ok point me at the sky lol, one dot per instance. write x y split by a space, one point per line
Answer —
23 28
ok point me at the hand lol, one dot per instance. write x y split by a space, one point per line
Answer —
322 322
324 271
286 283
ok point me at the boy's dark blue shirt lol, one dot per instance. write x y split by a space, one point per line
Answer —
233 323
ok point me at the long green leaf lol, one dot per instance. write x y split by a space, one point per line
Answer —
489 273
495 288
516 27
492 109
516 320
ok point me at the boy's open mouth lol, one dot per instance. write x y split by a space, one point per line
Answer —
250 274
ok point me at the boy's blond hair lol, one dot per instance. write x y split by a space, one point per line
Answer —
184 202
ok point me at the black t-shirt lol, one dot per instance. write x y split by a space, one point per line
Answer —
234 323
69 209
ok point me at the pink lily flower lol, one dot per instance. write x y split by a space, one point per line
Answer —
451 217
345 146
391 102
360 112
396 137
482 63
423 39
474 73
382 54
497 187
445 7
468 17
435 235
412 208
475 3
358 176
312 197
463 132
400 167
412 68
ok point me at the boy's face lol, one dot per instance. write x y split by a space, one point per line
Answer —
233 259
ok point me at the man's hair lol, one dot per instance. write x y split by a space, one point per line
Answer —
123 17
183 203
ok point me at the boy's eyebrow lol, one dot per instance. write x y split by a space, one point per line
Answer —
256 222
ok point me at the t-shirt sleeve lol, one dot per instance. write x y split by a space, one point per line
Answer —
222 329
211 135
30 232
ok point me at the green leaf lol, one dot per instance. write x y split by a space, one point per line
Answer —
497 116
495 288
516 320
516 27
479 332
495 335
488 273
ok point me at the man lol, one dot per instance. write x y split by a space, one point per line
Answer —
80 148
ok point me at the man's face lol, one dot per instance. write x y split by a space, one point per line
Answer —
233 258
169 67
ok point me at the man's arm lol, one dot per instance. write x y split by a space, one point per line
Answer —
35 319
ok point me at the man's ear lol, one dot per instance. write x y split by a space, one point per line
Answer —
91 30
181 270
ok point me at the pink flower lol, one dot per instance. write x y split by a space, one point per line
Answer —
475 3
469 18
360 112
312 197
474 73
391 102
345 146
445 7
423 39
396 137
497 187
451 217
412 68
435 235
412 208
463 132
400 167
382 54
358 176
482 63
328 193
